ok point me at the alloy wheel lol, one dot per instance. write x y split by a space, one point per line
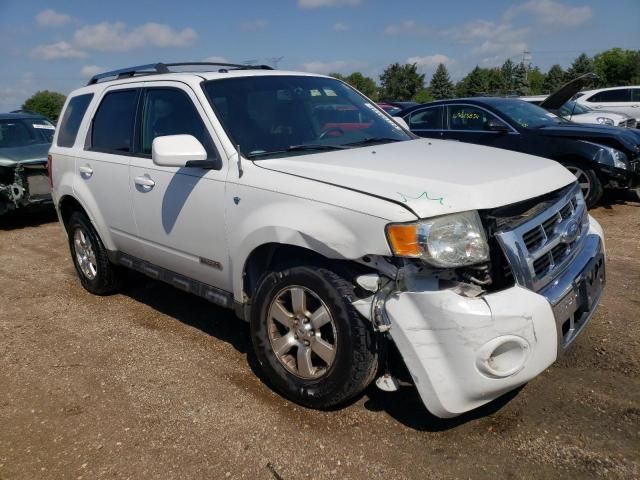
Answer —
85 256
583 179
302 332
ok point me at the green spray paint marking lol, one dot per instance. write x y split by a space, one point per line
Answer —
425 195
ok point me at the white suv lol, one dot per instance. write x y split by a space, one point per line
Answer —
353 248
625 100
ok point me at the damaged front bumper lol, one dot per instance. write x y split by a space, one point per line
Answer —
22 185
464 351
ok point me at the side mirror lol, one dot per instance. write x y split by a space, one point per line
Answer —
401 121
495 125
177 150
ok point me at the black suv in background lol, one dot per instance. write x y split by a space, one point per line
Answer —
599 156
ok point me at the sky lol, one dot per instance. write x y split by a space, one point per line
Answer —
58 45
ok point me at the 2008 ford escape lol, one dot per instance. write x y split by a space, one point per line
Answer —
352 247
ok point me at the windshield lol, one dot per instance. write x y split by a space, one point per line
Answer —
19 132
269 116
528 115
573 108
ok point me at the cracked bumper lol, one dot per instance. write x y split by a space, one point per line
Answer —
464 352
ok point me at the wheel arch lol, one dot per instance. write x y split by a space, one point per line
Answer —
67 204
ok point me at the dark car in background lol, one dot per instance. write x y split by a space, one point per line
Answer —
25 139
599 156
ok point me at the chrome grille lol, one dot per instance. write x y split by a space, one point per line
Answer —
539 249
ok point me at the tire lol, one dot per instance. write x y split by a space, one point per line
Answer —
590 184
310 374
97 274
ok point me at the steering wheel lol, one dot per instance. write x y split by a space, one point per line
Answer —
326 133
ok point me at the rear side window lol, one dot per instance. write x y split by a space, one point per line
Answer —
169 111
426 119
113 123
620 95
72 118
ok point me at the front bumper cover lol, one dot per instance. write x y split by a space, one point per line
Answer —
464 352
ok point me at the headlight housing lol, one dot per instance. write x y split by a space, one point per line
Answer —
612 157
448 241
605 121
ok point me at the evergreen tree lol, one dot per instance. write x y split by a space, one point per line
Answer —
473 84
581 65
554 79
441 86
507 76
520 80
536 81
365 84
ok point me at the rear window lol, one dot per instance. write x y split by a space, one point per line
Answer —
21 132
112 130
72 118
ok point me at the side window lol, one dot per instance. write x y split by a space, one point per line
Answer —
467 117
169 111
619 95
426 119
113 123
72 118
635 95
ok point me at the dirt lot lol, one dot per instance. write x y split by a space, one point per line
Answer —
154 383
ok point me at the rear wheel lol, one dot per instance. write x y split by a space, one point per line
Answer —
89 255
311 343
588 180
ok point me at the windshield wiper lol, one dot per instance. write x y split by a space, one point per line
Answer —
296 148
370 140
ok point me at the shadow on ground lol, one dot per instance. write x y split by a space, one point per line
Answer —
28 217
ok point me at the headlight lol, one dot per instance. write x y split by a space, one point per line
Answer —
611 157
605 121
449 241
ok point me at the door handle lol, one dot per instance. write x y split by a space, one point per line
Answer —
86 171
144 182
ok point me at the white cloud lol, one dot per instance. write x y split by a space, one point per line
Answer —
341 66
91 70
253 25
328 3
116 37
58 50
340 27
551 13
51 18
408 28
430 61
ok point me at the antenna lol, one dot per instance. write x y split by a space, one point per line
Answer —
274 61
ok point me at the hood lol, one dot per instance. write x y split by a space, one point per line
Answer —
567 91
431 177
622 138
26 154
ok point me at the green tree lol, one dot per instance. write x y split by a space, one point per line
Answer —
441 86
581 65
554 79
366 85
536 81
400 82
473 84
45 103
520 80
507 75
424 95
617 67
494 82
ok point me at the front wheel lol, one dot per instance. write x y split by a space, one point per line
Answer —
588 180
310 341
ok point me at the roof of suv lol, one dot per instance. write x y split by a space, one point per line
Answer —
595 90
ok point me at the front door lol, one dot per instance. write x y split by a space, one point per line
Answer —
179 212
469 123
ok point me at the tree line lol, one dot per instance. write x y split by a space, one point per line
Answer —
614 67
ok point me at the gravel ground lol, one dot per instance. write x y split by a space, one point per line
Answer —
155 383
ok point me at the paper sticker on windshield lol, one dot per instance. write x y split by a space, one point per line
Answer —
330 93
46 126
382 116
315 93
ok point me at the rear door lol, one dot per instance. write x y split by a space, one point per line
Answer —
468 123
179 212
103 171
427 122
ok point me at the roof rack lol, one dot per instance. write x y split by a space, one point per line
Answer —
158 68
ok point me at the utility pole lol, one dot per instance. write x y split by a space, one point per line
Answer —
526 61
275 61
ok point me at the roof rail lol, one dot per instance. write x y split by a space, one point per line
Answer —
157 68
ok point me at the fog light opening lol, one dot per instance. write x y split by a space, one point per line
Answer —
503 356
